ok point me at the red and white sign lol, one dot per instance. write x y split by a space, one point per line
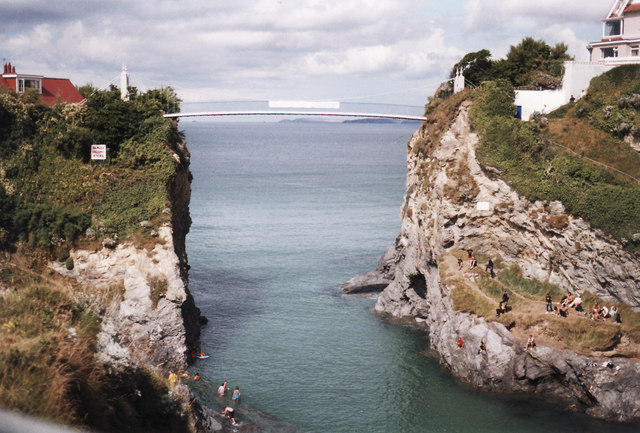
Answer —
98 151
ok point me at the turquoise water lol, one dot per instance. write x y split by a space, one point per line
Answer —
282 214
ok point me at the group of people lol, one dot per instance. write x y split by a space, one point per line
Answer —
598 312
473 262
503 306
229 411
173 377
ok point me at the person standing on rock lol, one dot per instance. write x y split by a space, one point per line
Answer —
470 256
173 379
489 268
549 303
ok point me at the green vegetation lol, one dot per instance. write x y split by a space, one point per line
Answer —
540 170
529 65
50 195
50 192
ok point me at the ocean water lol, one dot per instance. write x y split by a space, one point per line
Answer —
282 214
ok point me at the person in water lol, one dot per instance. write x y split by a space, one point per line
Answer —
236 395
196 377
222 389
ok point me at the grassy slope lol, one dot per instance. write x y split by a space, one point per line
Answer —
476 293
528 157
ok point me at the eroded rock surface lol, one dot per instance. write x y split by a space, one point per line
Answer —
542 239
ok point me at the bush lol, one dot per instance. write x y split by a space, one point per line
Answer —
537 169
69 263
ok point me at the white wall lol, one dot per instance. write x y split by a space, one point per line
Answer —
577 76
542 101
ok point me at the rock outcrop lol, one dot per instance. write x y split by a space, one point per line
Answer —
149 318
542 239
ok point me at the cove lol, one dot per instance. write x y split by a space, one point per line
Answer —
282 214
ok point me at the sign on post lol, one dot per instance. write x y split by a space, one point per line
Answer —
98 151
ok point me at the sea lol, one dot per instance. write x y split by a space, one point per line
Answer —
282 214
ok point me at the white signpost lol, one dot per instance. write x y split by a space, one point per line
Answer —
98 152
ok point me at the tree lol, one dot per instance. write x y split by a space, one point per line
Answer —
531 63
477 67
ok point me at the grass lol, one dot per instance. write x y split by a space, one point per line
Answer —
557 162
529 288
48 366
469 301
481 295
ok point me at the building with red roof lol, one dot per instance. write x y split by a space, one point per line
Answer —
51 90
620 43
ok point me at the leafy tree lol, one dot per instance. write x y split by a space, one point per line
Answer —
531 63
477 67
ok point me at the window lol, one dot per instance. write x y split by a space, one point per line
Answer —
29 83
635 50
612 28
609 52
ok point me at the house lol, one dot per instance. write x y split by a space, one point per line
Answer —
51 90
620 43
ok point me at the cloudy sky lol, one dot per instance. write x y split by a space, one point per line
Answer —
391 51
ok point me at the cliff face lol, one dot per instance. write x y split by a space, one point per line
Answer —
494 220
149 318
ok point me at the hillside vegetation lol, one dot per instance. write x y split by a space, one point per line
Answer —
529 65
53 198
579 158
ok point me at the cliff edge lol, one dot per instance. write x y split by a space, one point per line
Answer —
451 205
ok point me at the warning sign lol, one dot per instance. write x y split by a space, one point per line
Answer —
98 151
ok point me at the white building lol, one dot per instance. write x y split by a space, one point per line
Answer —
620 43
619 46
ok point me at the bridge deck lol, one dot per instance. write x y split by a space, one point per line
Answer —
295 113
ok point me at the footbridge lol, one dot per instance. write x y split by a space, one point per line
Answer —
304 108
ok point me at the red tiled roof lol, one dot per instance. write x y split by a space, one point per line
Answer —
54 87
632 8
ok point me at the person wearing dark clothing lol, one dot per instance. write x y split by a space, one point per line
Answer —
489 268
549 303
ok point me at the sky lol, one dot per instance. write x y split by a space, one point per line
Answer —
383 51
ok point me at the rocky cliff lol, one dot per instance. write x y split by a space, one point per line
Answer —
453 204
149 318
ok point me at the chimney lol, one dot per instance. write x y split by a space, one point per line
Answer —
5 68
13 69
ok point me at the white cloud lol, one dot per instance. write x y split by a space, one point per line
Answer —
263 47
496 15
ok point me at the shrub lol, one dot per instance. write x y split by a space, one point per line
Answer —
69 263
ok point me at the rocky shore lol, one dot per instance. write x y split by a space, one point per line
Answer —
498 222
